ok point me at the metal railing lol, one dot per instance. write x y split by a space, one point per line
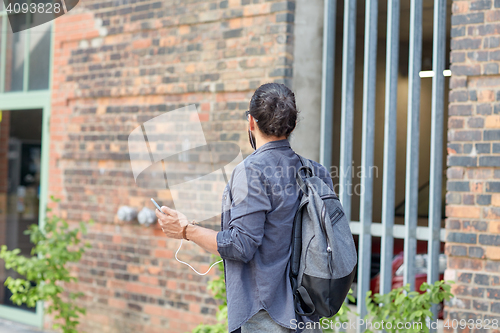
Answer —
387 230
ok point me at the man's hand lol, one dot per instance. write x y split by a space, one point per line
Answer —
172 222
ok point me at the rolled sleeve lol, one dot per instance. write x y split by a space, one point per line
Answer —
250 203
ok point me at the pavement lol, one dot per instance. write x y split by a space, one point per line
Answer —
7 326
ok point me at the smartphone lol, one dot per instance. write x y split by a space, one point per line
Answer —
157 206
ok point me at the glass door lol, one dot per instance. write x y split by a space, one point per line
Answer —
20 175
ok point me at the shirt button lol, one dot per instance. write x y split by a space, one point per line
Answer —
225 197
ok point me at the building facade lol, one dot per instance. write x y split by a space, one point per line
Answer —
118 64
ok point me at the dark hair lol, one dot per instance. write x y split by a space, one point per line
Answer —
273 105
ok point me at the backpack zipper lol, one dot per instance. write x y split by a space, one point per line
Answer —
323 226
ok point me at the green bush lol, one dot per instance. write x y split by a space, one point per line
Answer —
398 306
401 306
46 269
218 287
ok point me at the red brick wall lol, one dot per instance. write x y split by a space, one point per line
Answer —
473 198
115 67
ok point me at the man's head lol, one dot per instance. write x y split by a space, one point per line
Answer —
273 113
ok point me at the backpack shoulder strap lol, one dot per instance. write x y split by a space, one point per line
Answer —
307 170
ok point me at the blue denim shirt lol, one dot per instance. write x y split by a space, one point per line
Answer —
258 207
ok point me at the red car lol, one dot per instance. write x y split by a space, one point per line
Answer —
420 274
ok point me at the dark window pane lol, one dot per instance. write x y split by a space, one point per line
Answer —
40 44
14 68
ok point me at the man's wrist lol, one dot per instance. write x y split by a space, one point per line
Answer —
188 231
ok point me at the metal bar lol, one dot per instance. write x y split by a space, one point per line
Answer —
3 53
327 84
398 231
436 164
27 48
347 104
388 189
368 130
412 142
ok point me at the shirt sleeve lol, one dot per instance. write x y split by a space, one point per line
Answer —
250 204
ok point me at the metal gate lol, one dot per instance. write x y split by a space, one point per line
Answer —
387 230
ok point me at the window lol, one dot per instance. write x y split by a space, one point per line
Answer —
24 55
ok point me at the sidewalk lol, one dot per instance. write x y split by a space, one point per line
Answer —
11 327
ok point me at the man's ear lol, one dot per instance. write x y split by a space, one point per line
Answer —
251 123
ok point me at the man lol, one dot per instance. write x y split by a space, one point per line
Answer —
259 204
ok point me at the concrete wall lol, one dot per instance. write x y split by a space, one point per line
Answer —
307 72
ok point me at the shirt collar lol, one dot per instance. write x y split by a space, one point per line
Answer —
274 145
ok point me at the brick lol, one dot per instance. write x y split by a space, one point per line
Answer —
457 250
492 266
455 173
483 109
453 198
478 56
460 237
492 135
491 240
492 16
480 5
480 305
494 227
458 82
458 96
476 252
493 253
483 148
465 69
485 96
465 277
493 293
473 95
483 199
493 42
465 161
490 161
466 263
461 211
464 135
234 33
458 186
454 122
475 226
460 7
468 199
497 3
482 279
455 148
495 307
492 122
490 69
453 224
467 19
460 110
457 57
475 122
492 187
496 148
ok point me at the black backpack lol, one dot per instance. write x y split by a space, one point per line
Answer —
323 260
